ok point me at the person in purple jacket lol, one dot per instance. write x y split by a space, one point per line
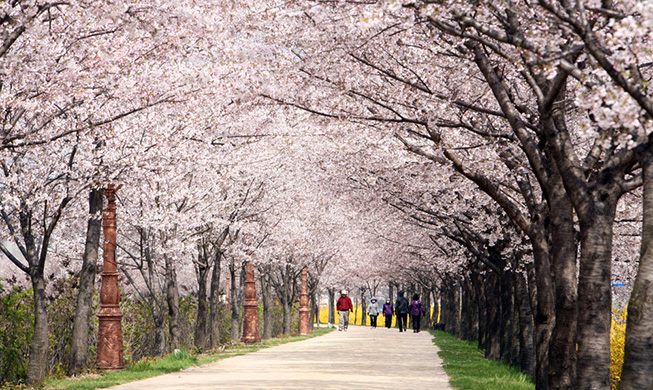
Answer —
388 311
416 309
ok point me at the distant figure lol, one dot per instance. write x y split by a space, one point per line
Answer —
401 310
416 311
373 310
388 311
344 306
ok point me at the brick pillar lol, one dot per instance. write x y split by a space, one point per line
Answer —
250 314
109 344
304 311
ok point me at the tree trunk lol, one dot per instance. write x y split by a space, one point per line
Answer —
562 351
638 353
464 309
595 203
38 350
455 307
515 353
532 287
451 305
363 308
444 301
332 308
267 303
425 320
82 321
155 302
159 330
446 298
172 298
468 311
482 311
507 315
235 305
474 311
315 310
526 347
214 301
595 301
287 317
283 280
202 307
493 298
545 315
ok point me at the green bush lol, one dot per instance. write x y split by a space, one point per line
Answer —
187 317
62 301
139 331
16 329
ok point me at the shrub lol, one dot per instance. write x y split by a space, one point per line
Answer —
16 329
187 317
137 329
62 301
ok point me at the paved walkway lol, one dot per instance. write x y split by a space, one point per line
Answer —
361 358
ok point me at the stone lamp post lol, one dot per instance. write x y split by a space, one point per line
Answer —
304 311
109 344
250 314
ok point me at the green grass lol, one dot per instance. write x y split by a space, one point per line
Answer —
468 369
147 368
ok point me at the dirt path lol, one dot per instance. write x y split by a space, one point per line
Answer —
361 358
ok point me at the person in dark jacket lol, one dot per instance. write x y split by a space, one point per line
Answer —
388 311
401 310
416 310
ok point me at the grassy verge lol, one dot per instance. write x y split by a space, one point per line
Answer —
148 368
468 369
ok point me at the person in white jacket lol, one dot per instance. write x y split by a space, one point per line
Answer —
373 310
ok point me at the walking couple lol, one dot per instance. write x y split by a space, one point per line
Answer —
403 308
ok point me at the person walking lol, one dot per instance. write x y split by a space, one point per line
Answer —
373 310
416 310
344 306
388 311
401 310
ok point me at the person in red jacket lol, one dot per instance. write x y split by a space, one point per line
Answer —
344 306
